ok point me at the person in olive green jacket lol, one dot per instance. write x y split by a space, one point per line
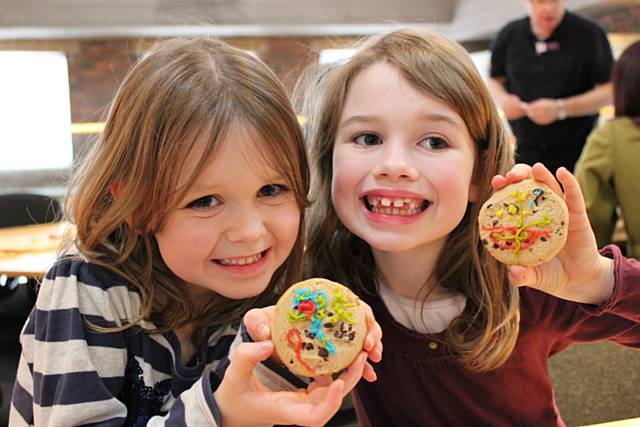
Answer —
609 167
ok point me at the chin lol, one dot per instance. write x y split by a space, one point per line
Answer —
391 245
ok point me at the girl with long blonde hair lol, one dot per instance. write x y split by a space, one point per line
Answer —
189 211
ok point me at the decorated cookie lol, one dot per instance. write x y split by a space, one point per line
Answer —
525 223
318 327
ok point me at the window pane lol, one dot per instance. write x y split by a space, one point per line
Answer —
34 110
335 55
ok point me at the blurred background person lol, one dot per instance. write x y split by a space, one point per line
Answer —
608 168
550 75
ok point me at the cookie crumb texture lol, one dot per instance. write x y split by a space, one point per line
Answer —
318 327
525 223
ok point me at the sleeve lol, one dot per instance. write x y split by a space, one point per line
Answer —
600 57
69 372
616 320
499 55
595 173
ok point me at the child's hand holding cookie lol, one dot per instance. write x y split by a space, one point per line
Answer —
578 272
314 405
332 326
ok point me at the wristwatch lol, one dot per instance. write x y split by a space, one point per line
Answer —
562 111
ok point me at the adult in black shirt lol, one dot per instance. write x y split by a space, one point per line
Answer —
550 75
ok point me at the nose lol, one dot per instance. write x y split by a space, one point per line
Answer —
396 163
246 224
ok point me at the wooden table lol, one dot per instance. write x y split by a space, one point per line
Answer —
631 422
31 250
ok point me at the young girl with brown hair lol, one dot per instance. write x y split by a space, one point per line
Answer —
188 213
406 144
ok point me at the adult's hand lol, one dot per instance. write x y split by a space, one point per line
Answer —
542 111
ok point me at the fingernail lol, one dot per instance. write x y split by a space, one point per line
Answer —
264 331
266 345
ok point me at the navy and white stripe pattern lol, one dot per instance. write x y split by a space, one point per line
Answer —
70 374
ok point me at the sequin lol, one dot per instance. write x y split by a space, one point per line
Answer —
143 402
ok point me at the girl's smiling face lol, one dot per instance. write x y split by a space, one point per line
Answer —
236 225
402 163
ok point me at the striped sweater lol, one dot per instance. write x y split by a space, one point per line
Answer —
70 374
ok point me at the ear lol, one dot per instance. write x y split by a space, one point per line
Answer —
116 189
474 191
474 182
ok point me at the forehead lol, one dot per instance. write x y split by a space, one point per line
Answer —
240 149
380 90
545 2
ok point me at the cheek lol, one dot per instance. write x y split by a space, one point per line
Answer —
285 226
456 181
180 242
344 179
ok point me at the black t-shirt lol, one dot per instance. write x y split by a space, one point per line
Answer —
577 57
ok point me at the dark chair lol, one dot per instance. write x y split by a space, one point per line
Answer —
17 294
24 209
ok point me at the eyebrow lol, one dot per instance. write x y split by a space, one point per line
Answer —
199 187
434 117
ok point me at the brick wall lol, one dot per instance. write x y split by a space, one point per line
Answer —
97 66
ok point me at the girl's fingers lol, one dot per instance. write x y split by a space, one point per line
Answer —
314 408
542 174
573 193
322 380
522 276
257 322
322 411
518 172
498 182
369 374
374 331
245 358
354 372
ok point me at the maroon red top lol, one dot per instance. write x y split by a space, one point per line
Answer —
420 385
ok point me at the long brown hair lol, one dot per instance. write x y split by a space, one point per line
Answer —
625 77
440 67
183 92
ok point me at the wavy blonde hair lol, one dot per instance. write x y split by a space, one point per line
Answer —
182 93
483 339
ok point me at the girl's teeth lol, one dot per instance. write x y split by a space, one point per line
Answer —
395 211
385 202
241 261
398 203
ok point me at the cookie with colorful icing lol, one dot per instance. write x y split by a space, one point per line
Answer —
525 223
318 327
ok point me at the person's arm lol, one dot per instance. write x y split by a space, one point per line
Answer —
595 173
72 374
545 111
510 104
589 102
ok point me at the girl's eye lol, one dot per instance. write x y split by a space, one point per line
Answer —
272 190
367 139
204 203
435 143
